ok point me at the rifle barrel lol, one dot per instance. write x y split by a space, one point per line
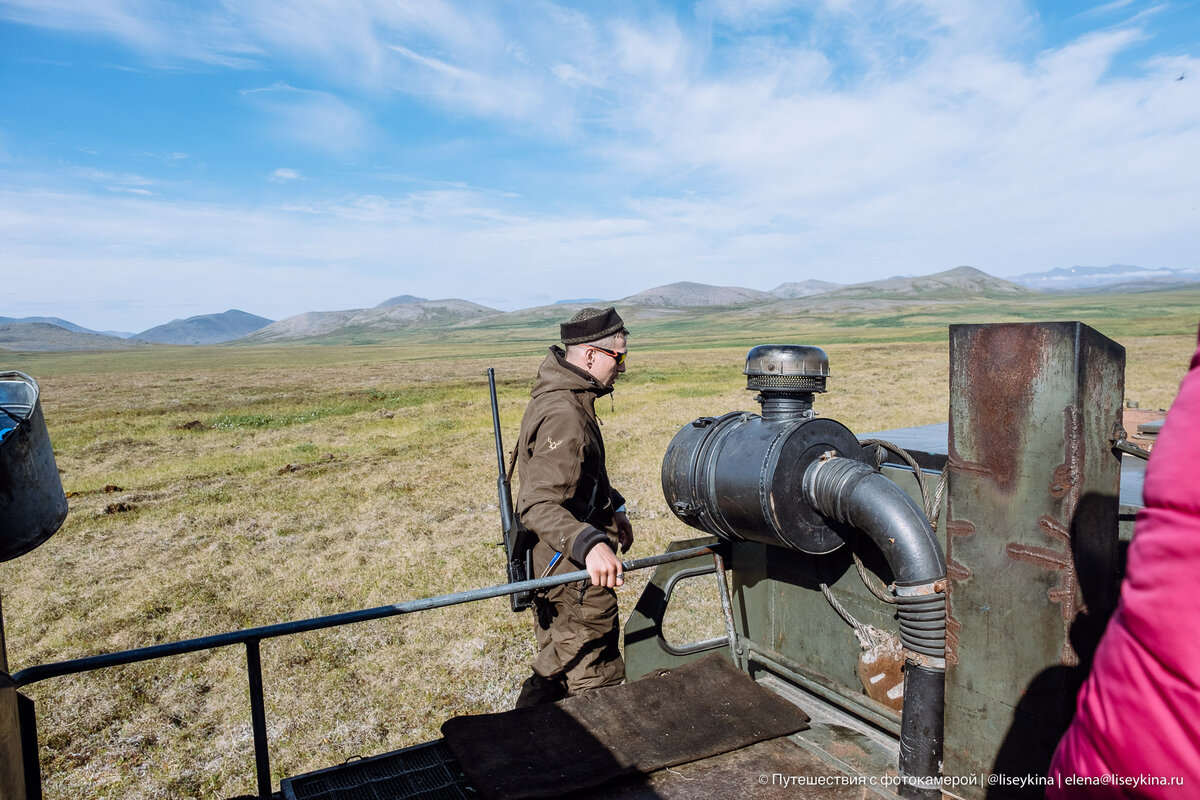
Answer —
496 424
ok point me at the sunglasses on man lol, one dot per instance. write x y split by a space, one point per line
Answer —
618 357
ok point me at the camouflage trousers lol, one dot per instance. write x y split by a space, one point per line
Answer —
577 629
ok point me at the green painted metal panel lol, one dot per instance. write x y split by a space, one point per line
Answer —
1032 535
780 609
644 652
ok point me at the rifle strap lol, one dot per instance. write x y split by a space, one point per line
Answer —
512 465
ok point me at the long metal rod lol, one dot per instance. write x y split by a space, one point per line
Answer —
258 719
735 647
41 672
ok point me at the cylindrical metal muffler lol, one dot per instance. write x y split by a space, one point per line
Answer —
739 476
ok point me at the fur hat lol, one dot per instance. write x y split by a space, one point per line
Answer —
590 324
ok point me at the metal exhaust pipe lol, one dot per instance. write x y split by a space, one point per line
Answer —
854 494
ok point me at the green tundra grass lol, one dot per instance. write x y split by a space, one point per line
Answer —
218 488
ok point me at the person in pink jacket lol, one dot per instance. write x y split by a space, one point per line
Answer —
1136 731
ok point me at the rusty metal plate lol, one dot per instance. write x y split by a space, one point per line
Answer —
1031 534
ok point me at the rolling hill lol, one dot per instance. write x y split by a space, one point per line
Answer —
205 329
33 337
793 289
402 299
693 295
370 323
960 283
62 323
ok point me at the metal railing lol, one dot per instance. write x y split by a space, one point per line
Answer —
251 637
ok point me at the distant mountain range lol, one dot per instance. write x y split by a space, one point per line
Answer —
1113 278
401 314
32 337
62 323
790 291
697 295
686 294
205 329
406 312
956 284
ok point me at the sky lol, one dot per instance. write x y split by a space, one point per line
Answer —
160 159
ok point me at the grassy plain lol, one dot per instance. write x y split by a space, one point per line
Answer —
218 488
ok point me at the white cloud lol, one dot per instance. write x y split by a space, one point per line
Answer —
746 14
462 89
656 52
317 120
104 176
115 182
970 139
169 35
879 136
571 75
496 62
170 159
1108 8
284 175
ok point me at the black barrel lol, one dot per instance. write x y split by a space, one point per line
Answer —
32 502
740 477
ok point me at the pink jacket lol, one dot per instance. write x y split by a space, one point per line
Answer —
1138 714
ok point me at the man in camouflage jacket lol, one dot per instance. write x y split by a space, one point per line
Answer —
579 519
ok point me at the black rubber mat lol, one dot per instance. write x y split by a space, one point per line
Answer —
670 717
